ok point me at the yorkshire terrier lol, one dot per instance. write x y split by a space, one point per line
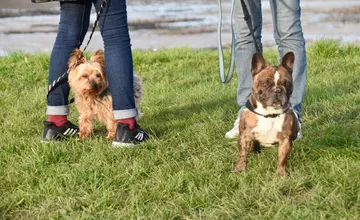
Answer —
88 82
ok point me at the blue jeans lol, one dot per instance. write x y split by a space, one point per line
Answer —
73 26
288 37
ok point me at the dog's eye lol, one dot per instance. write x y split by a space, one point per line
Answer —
85 76
98 75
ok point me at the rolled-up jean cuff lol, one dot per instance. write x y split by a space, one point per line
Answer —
57 110
122 114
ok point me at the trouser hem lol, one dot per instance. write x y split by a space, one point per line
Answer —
57 110
122 114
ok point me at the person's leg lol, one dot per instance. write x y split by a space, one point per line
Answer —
73 25
119 64
244 50
245 46
289 37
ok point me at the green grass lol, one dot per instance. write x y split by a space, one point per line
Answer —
184 171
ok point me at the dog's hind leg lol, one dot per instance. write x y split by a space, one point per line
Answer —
138 92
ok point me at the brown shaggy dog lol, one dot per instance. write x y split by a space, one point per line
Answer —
88 82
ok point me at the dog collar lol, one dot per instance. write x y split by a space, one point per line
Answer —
249 106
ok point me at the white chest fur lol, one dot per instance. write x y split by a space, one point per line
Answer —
267 128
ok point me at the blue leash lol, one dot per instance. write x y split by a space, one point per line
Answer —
247 18
220 50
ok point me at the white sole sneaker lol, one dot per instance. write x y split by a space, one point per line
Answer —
123 145
234 132
299 134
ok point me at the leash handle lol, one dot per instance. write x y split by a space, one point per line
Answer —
219 46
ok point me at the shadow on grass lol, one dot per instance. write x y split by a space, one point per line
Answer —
184 115
333 122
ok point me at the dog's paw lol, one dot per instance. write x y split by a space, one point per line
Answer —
83 134
111 136
239 169
281 171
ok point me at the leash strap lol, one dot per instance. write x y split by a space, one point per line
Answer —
248 20
102 6
63 78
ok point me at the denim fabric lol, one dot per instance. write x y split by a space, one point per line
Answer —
73 26
288 37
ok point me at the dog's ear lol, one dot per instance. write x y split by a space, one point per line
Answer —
288 61
76 58
98 57
257 64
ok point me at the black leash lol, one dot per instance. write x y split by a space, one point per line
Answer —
63 78
248 21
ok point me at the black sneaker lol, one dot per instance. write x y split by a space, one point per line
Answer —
300 121
124 137
53 133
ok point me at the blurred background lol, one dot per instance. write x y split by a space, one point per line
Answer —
155 24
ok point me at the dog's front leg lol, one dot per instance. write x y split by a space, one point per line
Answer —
85 126
285 147
244 146
111 127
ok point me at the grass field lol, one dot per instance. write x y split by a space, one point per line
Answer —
184 171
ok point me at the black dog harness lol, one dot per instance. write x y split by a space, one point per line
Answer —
249 106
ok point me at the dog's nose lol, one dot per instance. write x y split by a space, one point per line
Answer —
93 85
278 90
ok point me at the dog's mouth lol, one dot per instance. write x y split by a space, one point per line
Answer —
93 86
277 105
275 101
91 89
